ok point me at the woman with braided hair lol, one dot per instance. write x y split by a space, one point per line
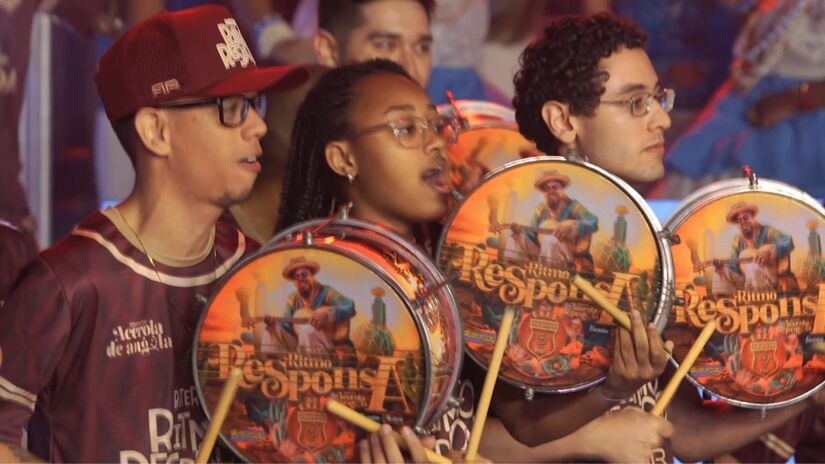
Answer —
384 151
368 133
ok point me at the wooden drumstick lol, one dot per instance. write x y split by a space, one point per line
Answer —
684 367
359 420
230 387
619 316
490 382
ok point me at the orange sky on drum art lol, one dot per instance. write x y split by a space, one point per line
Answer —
223 321
787 215
594 192
499 146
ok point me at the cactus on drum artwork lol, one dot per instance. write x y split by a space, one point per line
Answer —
374 338
615 256
813 268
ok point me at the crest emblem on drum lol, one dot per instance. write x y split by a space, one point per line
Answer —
310 428
763 354
543 332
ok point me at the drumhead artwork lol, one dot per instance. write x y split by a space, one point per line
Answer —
418 279
752 258
520 237
306 325
488 139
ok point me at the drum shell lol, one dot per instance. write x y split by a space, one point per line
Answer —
754 360
413 271
469 233
489 138
429 384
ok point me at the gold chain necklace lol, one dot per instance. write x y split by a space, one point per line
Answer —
169 299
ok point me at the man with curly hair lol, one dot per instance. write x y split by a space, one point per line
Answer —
587 86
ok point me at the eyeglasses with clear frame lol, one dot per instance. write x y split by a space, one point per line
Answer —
641 104
232 110
412 131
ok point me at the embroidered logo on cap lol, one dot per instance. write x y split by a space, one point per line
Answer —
165 87
234 48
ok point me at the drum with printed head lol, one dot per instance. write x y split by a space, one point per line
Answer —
519 237
337 309
750 256
489 138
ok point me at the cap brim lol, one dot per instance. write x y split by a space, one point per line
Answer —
274 78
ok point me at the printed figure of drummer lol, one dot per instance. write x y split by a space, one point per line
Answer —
327 313
760 255
561 228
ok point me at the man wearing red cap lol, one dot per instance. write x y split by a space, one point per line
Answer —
96 338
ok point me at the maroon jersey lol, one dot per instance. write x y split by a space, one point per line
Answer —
96 344
452 431
802 437
16 250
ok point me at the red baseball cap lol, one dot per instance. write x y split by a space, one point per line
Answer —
198 52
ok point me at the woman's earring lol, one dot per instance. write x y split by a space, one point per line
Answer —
350 177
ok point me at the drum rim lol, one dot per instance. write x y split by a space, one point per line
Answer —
370 266
443 404
506 116
717 191
665 297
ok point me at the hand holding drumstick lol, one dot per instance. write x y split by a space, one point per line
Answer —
383 445
684 366
639 354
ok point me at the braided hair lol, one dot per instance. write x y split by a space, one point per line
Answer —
563 65
311 187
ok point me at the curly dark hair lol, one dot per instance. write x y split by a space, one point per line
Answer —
311 186
563 65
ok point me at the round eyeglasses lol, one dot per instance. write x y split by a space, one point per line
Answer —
641 104
414 132
232 110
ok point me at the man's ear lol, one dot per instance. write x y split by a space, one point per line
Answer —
152 129
327 49
340 158
559 121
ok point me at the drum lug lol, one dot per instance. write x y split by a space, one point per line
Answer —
572 155
457 196
529 394
453 402
763 413
750 174
343 212
420 431
666 234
